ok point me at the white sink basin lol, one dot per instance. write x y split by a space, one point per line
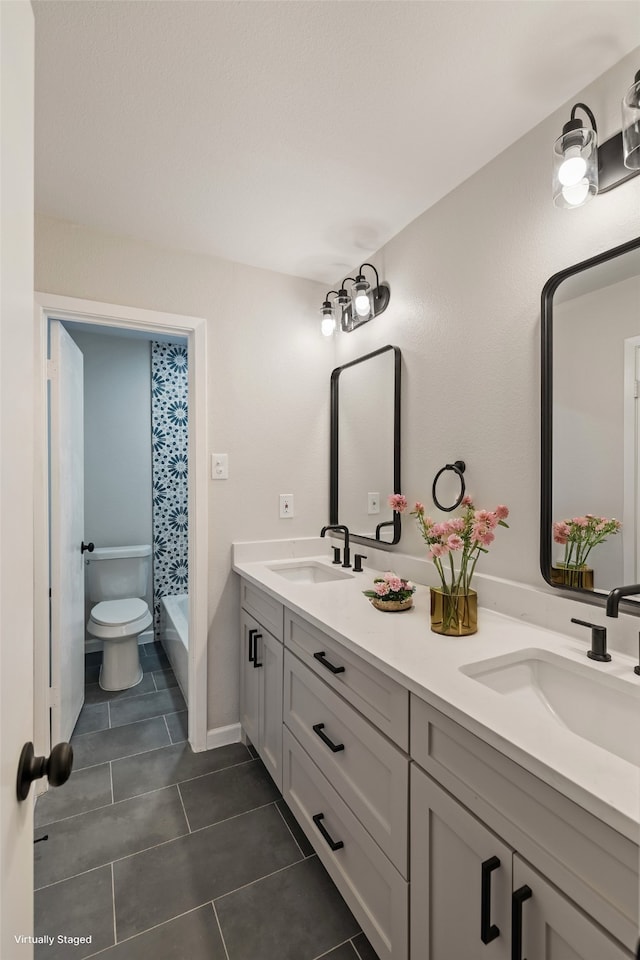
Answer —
601 708
308 571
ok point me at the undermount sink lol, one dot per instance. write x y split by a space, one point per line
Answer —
308 571
601 708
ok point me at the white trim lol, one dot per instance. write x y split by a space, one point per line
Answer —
630 451
221 736
151 322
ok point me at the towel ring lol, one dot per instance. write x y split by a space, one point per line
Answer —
458 467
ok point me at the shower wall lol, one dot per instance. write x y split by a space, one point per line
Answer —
169 418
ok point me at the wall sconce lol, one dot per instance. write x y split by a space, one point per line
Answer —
353 308
581 168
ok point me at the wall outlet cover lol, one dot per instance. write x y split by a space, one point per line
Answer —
286 505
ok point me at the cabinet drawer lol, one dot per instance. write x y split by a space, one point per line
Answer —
375 695
368 881
368 771
588 860
265 609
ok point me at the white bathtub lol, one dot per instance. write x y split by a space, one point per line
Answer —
174 637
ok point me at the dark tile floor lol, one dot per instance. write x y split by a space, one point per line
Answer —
157 853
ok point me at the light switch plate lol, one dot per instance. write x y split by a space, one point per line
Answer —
219 466
286 505
373 503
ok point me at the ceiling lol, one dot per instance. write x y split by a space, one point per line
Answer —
295 135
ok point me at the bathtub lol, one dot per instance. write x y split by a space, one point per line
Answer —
174 637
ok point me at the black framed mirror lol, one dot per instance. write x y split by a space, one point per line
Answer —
365 446
590 463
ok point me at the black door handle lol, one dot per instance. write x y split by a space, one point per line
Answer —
252 636
335 747
57 767
488 931
517 899
325 663
87 546
334 844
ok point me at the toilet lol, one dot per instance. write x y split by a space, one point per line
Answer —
118 577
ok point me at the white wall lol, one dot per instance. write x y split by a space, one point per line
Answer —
268 395
117 438
465 277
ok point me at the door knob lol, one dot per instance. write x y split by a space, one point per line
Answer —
57 767
87 546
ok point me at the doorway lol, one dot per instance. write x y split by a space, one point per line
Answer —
149 325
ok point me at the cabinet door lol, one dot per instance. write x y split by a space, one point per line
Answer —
270 745
460 880
250 679
553 928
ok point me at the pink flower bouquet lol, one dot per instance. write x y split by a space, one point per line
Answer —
463 538
580 535
390 587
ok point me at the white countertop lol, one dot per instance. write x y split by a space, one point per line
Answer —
403 647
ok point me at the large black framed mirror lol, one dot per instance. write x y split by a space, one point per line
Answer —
590 463
365 446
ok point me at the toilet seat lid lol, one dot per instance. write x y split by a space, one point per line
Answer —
113 612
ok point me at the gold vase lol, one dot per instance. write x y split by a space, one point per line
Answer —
392 606
571 576
454 615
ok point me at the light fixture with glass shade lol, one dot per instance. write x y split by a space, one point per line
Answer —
631 125
357 306
575 161
582 167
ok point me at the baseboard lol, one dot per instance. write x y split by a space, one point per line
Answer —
221 736
93 645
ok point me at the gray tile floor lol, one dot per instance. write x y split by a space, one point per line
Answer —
156 852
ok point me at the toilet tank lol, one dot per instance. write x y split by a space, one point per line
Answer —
116 573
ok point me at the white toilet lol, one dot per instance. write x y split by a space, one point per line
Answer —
118 577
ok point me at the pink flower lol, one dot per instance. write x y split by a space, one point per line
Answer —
397 502
561 532
467 501
581 521
456 525
419 508
395 584
438 530
502 512
381 588
438 550
486 538
455 542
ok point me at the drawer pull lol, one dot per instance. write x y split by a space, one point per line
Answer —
517 899
335 747
320 656
252 636
334 844
488 931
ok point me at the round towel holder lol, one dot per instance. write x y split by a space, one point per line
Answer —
458 467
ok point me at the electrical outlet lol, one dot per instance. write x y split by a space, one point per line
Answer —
286 505
373 503
219 466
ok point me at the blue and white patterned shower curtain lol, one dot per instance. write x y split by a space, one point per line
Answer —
169 415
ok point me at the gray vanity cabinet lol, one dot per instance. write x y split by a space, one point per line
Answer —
261 663
568 877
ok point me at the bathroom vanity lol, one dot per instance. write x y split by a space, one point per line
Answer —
457 817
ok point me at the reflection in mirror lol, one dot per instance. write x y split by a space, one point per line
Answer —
365 445
590 518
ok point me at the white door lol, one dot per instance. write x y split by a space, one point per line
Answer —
66 457
16 471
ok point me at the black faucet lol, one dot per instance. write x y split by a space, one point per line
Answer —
616 596
345 530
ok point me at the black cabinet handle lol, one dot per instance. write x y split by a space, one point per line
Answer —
320 656
252 636
334 844
488 931
517 899
335 747
257 637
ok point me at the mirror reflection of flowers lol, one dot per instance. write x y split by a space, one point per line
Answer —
390 587
581 534
467 536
